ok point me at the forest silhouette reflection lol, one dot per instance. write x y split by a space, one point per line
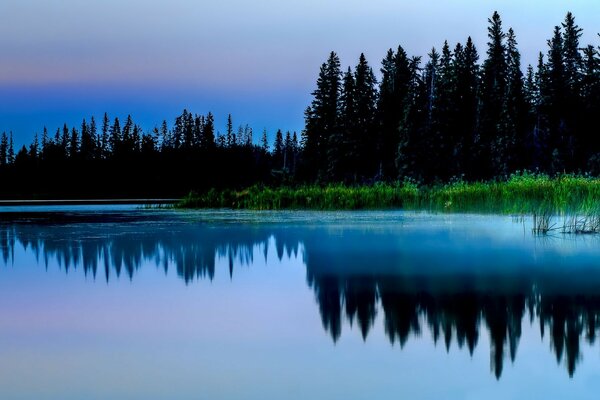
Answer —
355 273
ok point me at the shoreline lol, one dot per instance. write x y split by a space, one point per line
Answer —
74 202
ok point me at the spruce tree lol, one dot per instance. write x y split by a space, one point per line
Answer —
414 144
392 106
572 59
10 156
115 137
3 149
34 148
278 149
338 165
322 117
362 144
590 97
514 112
45 140
493 144
229 131
265 142
208 133
87 142
554 93
64 141
105 140
443 130
74 144
466 101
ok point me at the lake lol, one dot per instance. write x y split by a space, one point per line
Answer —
115 302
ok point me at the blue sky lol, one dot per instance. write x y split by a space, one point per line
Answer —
65 60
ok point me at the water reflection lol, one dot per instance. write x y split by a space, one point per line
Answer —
454 282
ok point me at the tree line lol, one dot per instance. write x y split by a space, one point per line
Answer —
117 159
454 117
450 117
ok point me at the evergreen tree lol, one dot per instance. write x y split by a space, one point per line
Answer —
87 142
45 140
514 113
34 147
442 134
493 144
414 142
265 142
74 143
115 136
322 117
573 106
465 100
64 141
392 106
339 146
230 139
11 151
531 97
105 140
590 98
94 139
554 92
3 150
278 149
165 136
541 145
295 152
208 133
362 144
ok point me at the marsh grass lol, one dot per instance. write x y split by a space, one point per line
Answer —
523 193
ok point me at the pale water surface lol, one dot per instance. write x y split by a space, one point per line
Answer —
117 302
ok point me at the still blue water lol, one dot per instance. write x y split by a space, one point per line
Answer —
117 302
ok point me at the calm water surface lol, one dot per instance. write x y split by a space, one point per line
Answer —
117 302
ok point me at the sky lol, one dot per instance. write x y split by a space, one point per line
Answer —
63 60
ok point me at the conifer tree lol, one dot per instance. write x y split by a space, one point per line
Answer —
442 117
45 139
362 144
34 148
94 139
339 146
87 142
573 106
393 103
414 142
493 144
74 143
65 138
590 97
466 101
115 136
11 151
514 112
3 149
554 92
278 149
229 136
322 117
105 139
208 133
265 142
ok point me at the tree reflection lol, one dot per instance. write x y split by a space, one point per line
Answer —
352 274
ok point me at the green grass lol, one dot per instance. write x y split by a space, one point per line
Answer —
521 193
